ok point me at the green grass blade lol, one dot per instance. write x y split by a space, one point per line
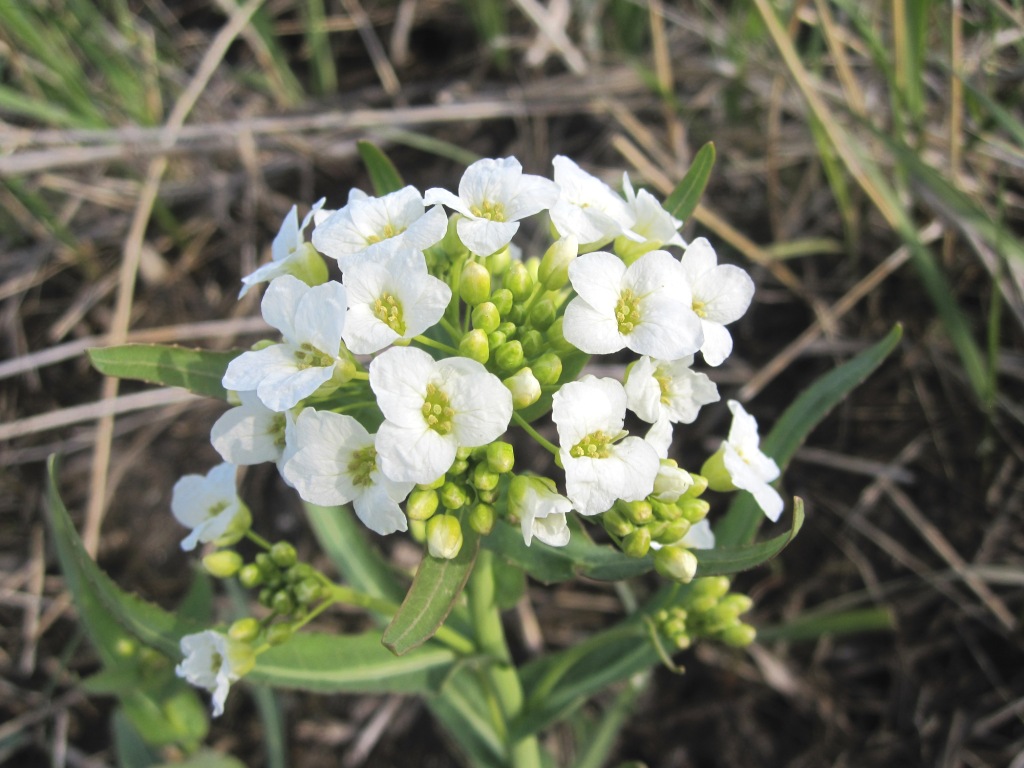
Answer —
687 194
383 174
811 626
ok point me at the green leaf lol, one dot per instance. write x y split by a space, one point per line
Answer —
582 557
814 624
740 524
352 664
197 370
206 759
685 197
383 174
433 593
132 751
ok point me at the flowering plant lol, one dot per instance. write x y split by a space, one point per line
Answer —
425 389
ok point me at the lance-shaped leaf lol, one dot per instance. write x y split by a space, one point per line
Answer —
583 557
197 370
383 174
687 194
433 593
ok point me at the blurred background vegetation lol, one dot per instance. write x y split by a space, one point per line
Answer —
870 172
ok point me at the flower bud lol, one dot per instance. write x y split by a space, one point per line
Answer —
308 265
533 343
616 523
283 554
672 532
495 339
500 457
676 562
547 368
630 250
309 591
481 518
418 530
344 370
452 496
474 346
499 261
533 267
269 570
543 314
637 543
126 647
524 387
488 497
474 283
739 635
714 587
421 505
486 317
249 576
502 299
736 603
517 314
239 526
244 630
693 510
484 478
282 602
222 564
671 482
279 633
509 356
444 536
638 512
508 328
700 484
554 267
298 572
717 475
665 511
433 486
556 341
518 281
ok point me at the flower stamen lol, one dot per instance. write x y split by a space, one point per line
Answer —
362 466
437 411
627 311
490 211
596 445
388 309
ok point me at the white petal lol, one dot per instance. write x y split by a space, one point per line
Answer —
280 301
438 196
597 278
365 333
725 291
320 317
483 408
247 434
590 330
717 344
485 237
399 378
658 272
282 389
379 512
427 230
659 437
667 330
643 392
287 237
588 405
700 536
698 258
533 195
413 455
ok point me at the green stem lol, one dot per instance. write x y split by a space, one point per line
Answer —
535 434
502 675
257 539
436 345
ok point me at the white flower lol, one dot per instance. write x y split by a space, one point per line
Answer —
668 389
671 482
209 505
587 208
656 226
700 536
431 409
290 254
721 294
493 196
748 468
391 299
213 661
335 462
364 227
645 306
251 433
601 464
311 321
540 509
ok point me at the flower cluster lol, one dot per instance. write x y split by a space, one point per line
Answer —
392 387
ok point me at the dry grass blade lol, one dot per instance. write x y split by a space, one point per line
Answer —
555 33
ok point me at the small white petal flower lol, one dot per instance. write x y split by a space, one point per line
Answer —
209 505
494 194
654 224
660 389
541 510
290 254
721 295
749 469
364 227
213 661
700 536
394 298
587 208
645 306
251 433
433 408
601 464
311 320
671 482
335 462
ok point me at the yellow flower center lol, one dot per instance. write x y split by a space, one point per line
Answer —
388 310
596 445
436 410
309 356
489 210
362 465
665 384
389 231
700 308
278 423
627 311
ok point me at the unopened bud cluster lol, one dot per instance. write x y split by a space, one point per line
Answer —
707 610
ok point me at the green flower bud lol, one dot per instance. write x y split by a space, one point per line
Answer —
518 281
418 530
495 339
630 250
271 573
344 370
693 510
462 452
309 591
502 299
524 387
700 484
223 563
453 496
509 356
488 497
547 368
676 562
421 505
486 317
250 576
533 267
283 554
508 328
671 482
517 314
672 532
474 283
474 346
736 603
266 597
616 523
451 243
554 267
308 265
639 512
637 543
543 314
126 647
499 261
533 343
298 572
481 518
484 478
500 457
444 536
714 587
458 467
663 510
282 602
739 635
239 526
279 633
716 474
244 630
556 341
